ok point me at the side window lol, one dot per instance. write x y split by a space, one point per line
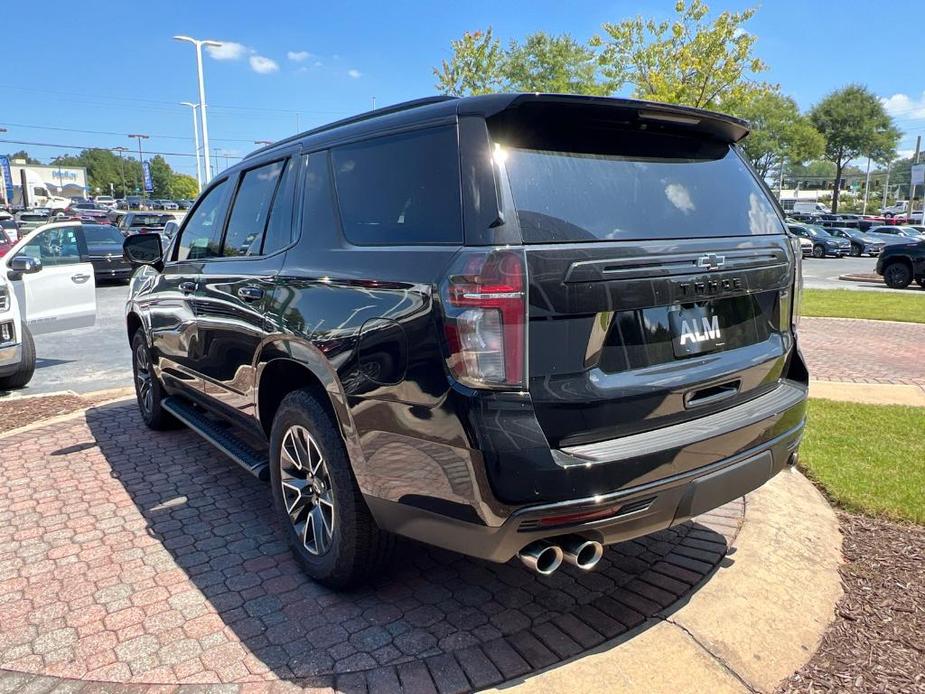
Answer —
401 189
56 246
279 228
201 236
251 210
318 214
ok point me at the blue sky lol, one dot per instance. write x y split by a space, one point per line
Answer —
114 69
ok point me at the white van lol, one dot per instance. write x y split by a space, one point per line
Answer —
809 207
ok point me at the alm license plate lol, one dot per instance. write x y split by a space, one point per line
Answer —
694 330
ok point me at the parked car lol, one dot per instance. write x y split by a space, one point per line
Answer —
376 356
892 234
901 264
6 241
168 205
823 243
900 207
184 204
861 243
10 227
105 201
143 222
136 202
104 249
49 270
29 220
87 212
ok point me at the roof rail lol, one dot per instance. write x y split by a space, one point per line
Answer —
384 111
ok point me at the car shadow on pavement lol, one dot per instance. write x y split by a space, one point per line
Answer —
231 597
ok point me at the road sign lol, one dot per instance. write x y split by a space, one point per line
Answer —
918 174
7 179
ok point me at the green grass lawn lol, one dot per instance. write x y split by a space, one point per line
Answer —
846 303
868 458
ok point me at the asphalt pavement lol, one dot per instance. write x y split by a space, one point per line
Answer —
88 359
99 358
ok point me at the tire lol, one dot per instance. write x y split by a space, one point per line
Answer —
149 392
921 282
23 375
348 546
855 251
897 275
818 252
888 215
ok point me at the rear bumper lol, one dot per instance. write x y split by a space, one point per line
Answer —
759 439
633 512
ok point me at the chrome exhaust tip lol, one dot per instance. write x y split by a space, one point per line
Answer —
581 552
541 556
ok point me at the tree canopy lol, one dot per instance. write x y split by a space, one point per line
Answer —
104 167
24 155
855 124
779 132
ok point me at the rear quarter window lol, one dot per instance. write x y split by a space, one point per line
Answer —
400 189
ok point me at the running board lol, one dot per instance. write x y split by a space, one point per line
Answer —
220 437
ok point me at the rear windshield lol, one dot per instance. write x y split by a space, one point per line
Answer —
650 186
102 234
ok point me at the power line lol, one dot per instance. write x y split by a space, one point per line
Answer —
111 149
110 132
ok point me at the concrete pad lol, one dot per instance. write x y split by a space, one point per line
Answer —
660 659
764 615
868 393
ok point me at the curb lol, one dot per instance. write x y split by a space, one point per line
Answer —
873 279
868 393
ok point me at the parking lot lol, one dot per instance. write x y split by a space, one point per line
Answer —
105 361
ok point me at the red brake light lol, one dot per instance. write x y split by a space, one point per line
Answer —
485 308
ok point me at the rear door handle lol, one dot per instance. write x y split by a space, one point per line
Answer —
187 287
79 278
250 293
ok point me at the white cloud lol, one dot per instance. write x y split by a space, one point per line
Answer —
298 56
903 106
263 65
354 73
229 50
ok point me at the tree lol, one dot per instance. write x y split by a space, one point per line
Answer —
24 155
183 187
476 65
778 132
689 60
161 177
854 124
542 63
555 64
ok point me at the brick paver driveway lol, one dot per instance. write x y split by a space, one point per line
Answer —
864 351
128 556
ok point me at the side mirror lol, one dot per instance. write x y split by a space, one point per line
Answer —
25 264
143 249
170 228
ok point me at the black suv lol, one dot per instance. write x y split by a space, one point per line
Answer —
901 264
505 325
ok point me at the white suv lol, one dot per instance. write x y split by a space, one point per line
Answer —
46 285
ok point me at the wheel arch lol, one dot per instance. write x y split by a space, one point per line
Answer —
286 365
132 323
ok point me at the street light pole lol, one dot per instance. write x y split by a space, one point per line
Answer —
141 163
207 170
195 142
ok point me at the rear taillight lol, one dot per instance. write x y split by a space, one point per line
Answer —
795 303
485 307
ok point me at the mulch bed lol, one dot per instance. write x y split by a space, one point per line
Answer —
877 641
18 412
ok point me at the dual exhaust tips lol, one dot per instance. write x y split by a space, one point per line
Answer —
545 556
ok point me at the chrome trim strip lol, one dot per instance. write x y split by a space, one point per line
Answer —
778 400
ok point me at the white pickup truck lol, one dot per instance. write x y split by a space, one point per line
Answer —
46 285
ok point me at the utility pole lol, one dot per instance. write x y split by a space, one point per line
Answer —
141 163
374 103
886 185
915 160
866 187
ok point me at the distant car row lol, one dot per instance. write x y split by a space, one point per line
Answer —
133 202
841 241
